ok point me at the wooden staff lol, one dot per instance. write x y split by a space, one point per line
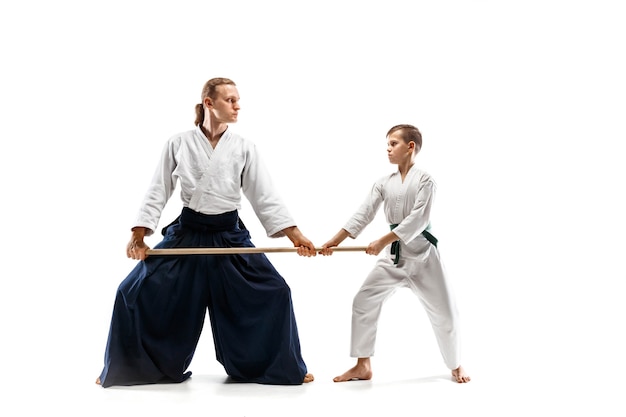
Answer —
229 251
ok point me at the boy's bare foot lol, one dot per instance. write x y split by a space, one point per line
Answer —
460 376
98 381
361 371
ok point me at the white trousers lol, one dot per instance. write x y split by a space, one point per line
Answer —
427 279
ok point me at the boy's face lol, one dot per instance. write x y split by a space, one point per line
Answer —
398 150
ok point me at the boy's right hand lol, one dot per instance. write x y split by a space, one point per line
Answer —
327 248
335 241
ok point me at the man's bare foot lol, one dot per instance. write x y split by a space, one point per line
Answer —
98 381
308 378
361 371
460 376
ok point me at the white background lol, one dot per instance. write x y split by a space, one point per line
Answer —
521 105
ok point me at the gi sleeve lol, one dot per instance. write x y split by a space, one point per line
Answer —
160 190
366 212
258 188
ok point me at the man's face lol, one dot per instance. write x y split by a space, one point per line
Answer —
225 107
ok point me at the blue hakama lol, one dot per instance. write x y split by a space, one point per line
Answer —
160 309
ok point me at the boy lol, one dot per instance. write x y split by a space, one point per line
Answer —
413 259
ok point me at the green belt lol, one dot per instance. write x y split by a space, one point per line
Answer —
395 246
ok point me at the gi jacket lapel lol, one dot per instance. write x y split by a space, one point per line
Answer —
209 173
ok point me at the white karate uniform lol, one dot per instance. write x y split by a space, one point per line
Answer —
212 180
408 205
